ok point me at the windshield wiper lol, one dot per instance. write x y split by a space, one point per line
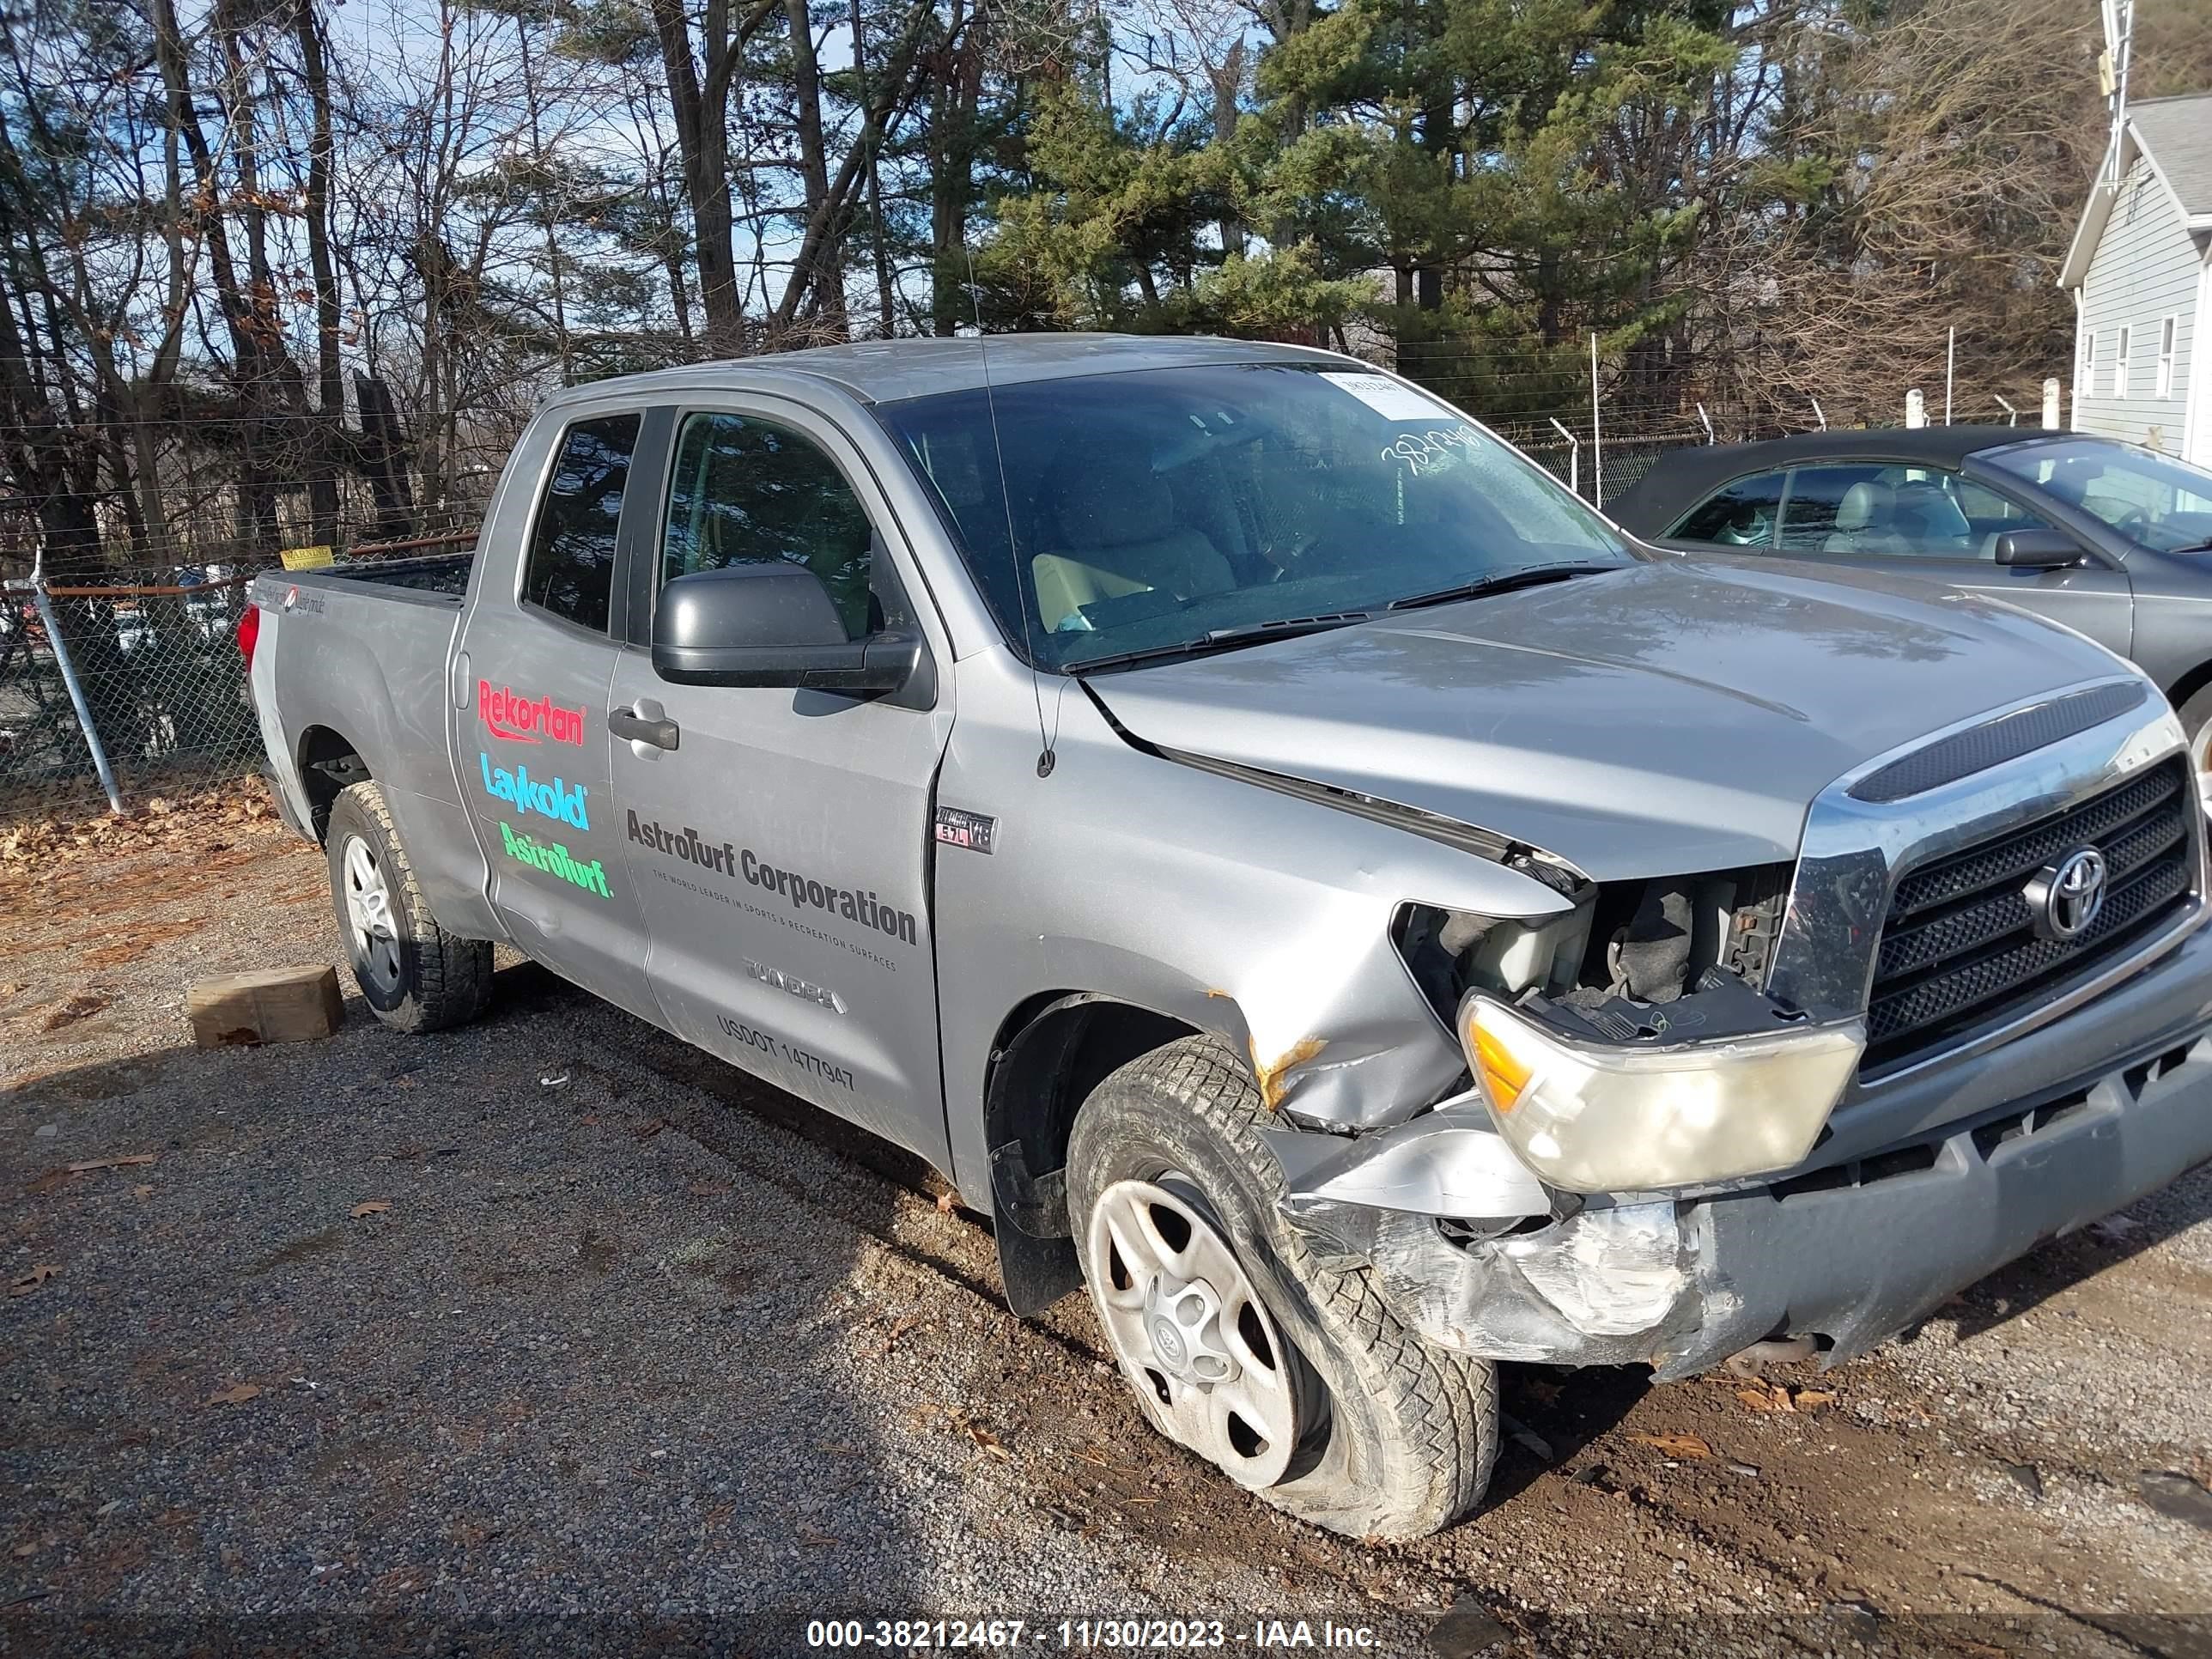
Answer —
1222 639
1504 581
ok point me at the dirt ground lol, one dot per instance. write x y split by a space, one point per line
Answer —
552 1334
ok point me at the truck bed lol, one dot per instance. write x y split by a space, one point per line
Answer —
354 658
445 574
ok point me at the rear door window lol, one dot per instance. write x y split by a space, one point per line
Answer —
570 569
1741 515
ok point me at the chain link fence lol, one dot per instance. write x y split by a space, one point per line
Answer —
159 676
161 691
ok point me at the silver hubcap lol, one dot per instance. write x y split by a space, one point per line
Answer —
1190 1332
369 914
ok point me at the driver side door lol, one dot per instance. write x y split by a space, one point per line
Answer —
778 840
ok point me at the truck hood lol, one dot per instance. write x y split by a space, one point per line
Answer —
1663 720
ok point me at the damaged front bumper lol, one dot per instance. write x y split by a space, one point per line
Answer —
1849 1253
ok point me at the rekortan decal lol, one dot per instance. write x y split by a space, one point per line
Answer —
519 718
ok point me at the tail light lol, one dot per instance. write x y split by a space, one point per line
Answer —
249 634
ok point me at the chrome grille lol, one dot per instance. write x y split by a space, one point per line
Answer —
1959 945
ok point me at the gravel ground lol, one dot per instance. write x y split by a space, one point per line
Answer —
553 1335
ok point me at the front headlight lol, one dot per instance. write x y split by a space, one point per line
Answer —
1591 1117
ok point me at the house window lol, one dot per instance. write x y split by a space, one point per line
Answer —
2085 384
2166 357
2120 365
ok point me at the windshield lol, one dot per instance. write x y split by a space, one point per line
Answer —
1165 507
2163 505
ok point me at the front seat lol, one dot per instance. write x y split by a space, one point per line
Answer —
1117 533
1930 522
1866 521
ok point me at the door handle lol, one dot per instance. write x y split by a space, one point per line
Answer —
661 733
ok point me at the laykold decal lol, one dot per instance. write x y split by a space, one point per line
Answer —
519 718
550 799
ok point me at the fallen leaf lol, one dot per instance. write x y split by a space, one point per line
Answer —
91 1164
989 1442
946 1203
31 1281
1765 1399
899 1329
1811 1399
70 1010
1674 1446
237 1395
709 1189
371 1207
48 1183
814 1535
25 1551
650 1127
141 1192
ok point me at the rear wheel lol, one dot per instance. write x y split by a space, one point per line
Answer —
1292 1376
414 974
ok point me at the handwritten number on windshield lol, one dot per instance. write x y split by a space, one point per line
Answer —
1421 451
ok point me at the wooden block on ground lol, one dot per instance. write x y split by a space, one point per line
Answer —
270 1004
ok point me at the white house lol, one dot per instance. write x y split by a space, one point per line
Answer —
2141 272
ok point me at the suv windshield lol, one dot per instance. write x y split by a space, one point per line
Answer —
1148 511
2160 504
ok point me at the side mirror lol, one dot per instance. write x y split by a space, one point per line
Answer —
770 625
2038 549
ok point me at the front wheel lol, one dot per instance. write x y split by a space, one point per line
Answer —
414 974
2196 722
1292 1377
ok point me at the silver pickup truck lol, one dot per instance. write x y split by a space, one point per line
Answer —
1305 875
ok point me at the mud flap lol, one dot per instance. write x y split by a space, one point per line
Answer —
1036 1272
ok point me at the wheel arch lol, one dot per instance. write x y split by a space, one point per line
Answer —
328 763
2197 679
1049 1056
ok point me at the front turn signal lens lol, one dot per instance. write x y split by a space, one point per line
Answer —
1594 1117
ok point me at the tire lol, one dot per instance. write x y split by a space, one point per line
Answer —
416 977
2196 713
1396 1438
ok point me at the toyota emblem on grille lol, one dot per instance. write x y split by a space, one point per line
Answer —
2064 898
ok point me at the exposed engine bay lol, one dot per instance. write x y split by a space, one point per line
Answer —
1608 965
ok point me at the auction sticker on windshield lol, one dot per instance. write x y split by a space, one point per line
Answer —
1388 399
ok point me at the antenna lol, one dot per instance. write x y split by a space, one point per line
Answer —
1022 590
